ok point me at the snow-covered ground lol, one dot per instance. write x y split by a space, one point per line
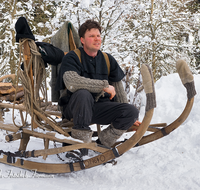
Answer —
170 163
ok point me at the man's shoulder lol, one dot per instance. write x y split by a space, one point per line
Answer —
71 55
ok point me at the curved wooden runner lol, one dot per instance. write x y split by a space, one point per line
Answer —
169 128
188 82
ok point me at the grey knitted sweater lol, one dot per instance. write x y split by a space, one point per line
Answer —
74 82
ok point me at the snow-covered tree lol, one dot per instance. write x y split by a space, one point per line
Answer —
158 32
8 53
37 13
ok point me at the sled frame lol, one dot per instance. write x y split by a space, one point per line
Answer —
20 159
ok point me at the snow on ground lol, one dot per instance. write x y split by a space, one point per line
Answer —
170 163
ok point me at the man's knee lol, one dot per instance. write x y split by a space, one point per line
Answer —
133 111
127 117
83 95
132 115
80 104
82 92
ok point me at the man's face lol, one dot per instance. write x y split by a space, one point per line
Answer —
92 40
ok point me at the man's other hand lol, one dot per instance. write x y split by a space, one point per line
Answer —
110 90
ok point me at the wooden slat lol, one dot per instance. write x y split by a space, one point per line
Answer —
13 137
151 128
1 115
22 117
12 76
5 84
46 146
51 123
24 141
42 135
8 127
52 151
7 90
12 128
158 125
23 108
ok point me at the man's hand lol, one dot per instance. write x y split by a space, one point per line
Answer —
110 90
137 123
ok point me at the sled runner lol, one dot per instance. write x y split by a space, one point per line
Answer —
162 129
44 126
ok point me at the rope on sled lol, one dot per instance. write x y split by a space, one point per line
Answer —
32 88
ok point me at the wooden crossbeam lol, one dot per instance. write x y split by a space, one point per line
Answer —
23 108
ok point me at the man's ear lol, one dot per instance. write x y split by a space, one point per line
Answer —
82 40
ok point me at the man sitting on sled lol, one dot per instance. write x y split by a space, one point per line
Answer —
94 93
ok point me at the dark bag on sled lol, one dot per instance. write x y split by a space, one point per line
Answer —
23 30
50 54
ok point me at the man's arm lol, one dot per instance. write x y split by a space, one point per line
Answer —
73 82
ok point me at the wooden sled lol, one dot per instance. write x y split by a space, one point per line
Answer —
21 157
54 132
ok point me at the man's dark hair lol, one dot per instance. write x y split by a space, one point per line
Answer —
88 25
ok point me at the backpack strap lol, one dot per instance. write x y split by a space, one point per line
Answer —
78 53
107 62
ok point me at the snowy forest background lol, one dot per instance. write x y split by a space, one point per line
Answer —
156 32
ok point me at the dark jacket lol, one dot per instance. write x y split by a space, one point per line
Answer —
89 67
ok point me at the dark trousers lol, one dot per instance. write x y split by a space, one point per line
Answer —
84 111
